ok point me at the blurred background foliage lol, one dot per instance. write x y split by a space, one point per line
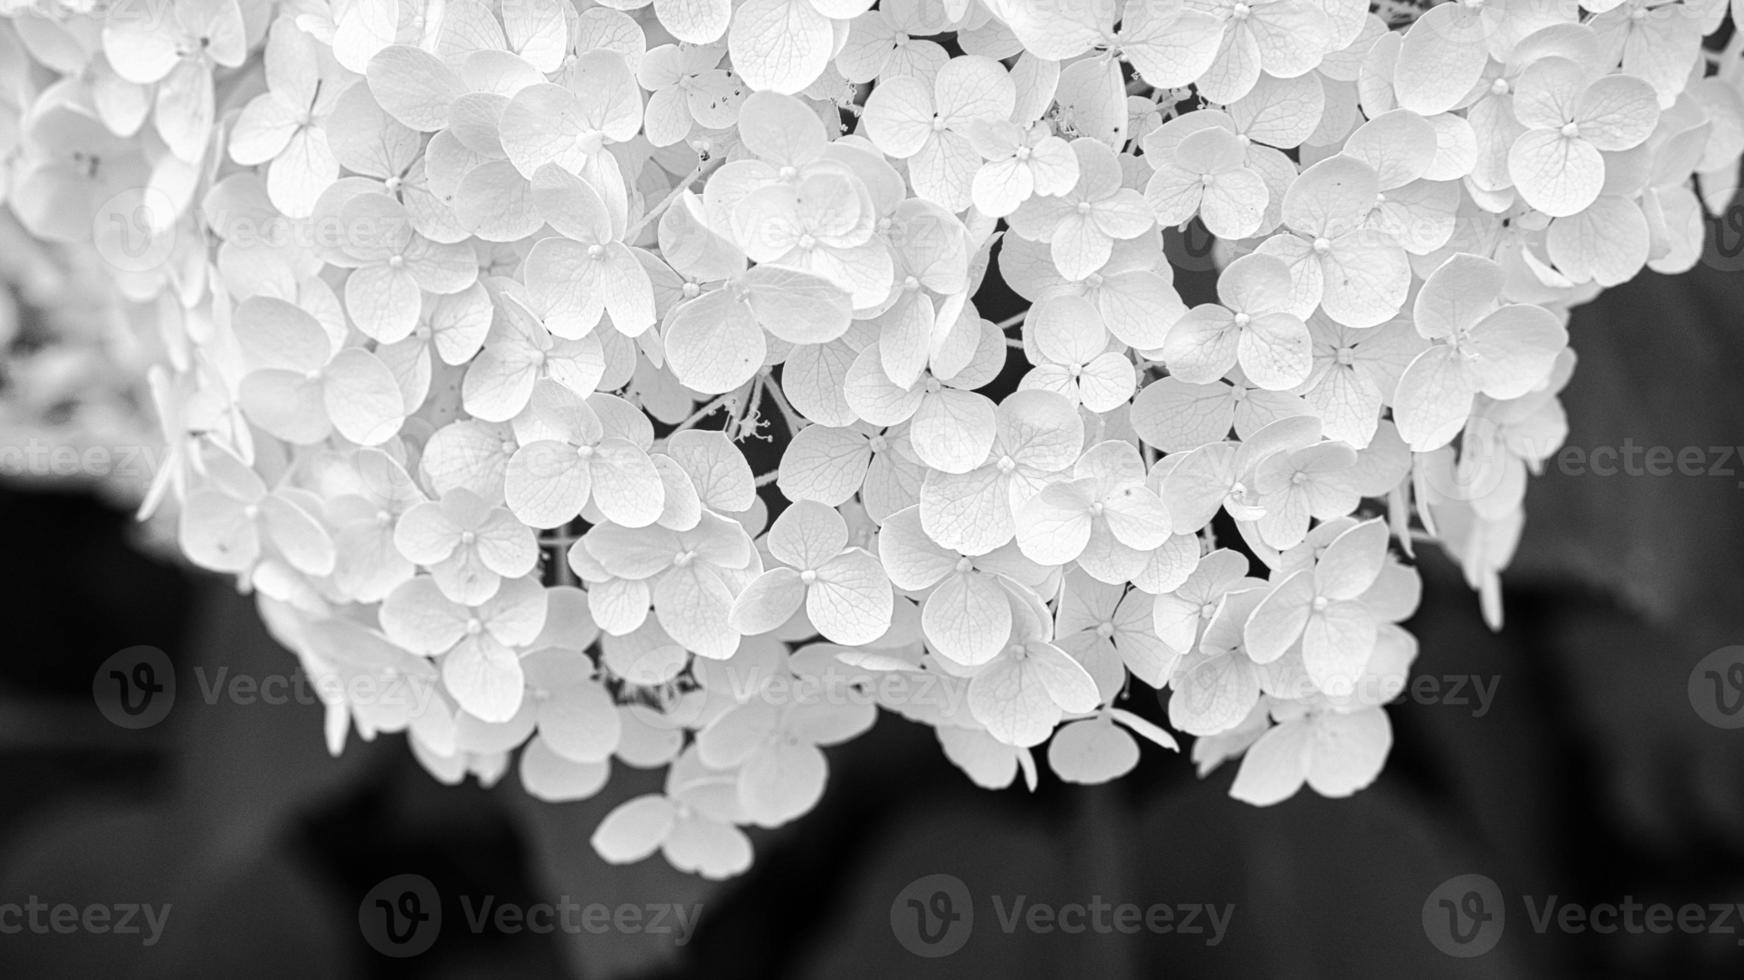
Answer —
1590 777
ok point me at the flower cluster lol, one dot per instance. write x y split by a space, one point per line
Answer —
475 315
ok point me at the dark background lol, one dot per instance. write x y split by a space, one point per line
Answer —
1591 777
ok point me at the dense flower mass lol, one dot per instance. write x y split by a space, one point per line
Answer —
479 318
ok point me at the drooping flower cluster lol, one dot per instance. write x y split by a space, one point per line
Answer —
479 318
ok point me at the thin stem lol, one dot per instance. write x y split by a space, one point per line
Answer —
1011 321
789 417
704 412
666 202
767 478
751 410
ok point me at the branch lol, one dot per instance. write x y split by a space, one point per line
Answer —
666 202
